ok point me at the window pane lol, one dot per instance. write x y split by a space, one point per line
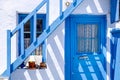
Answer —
27 26
26 42
38 51
87 38
88 31
81 48
87 45
94 45
80 31
39 27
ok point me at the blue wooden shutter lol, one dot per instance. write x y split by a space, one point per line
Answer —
114 10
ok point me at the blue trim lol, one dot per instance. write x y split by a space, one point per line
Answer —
22 40
29 16
44 55
116 33
61 7
73 20
47 14
114 10
33 29
8 70
113 46
8 52
46 32
67 48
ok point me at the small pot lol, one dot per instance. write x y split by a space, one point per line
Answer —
43 65
31 64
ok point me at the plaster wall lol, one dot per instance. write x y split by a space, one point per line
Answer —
9 10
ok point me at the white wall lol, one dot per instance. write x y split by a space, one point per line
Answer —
8 20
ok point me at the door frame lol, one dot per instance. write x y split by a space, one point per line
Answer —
101 19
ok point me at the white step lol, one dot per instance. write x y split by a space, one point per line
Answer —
4 78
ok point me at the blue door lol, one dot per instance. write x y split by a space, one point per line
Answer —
85 49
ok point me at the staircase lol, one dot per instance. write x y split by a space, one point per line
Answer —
24 53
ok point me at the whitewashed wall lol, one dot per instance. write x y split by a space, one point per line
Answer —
55 48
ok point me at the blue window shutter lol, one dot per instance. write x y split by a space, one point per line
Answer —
114 10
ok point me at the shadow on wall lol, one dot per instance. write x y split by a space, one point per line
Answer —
93 7
55 61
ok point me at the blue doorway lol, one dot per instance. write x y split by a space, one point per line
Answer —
85 43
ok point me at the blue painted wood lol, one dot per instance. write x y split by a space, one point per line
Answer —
113 47
44 51
28 17
117 62
33 29
47 14
22 40
114 10
77 65
39 16
8 71
116 33
9 51
44 35
61 2
114 65
67 49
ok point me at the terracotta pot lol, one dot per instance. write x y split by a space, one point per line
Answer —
43 65
32 65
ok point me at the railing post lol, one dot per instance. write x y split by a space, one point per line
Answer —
44 50
8 52
61 13
33 29
45 41
22 39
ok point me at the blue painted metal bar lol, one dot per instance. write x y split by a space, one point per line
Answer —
8 70
47 15
33 29
44 51
22 40
45 34
61 1
29 16
8 51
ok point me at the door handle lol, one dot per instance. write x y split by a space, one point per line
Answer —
83 57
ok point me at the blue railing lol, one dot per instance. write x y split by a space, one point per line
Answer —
20 29
35 41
